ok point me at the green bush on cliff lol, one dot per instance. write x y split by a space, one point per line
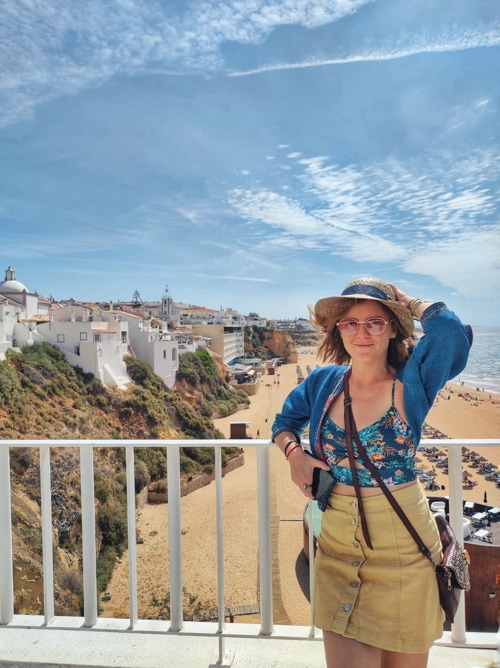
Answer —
200 370
10 385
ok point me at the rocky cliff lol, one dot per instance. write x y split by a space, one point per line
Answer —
281 345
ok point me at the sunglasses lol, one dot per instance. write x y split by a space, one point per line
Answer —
375 326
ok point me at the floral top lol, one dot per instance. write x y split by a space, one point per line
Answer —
389 443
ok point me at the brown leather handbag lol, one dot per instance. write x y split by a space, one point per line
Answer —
452 572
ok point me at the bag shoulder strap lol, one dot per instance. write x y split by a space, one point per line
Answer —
351 431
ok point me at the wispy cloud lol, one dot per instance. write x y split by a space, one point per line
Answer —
423 215
49 49
249 279
470 39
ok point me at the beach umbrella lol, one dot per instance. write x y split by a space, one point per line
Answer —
482 459
466 474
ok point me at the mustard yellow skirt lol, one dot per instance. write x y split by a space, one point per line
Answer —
386 597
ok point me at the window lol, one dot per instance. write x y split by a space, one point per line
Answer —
83 336
77 350
60 338
174 354
97 337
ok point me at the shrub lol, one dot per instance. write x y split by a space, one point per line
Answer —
112 523
187 465
105 565
155 459
10 385
142 475
102 489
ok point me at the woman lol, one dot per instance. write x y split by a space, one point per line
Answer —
379 607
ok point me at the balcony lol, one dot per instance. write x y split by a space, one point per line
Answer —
94 640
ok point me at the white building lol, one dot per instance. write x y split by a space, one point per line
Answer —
19 309
152 344
170 312
227 341
199 315
89 341
255 320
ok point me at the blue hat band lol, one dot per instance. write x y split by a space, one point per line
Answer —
368 290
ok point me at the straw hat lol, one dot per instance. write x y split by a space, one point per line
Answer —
368 288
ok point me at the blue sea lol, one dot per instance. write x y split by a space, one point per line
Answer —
483 368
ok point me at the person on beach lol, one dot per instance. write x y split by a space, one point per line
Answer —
378 606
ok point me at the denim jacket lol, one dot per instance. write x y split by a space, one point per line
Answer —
440 354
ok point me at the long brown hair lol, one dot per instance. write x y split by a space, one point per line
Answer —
332 350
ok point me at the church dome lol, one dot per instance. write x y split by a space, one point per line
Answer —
10 284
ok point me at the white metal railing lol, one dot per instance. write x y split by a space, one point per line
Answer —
176 622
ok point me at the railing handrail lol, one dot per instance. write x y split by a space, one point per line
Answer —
86 447
212 442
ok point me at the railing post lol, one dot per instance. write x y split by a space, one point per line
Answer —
174 537
456 521
312 556
6 558
88 535
47 540
131 534
265 551
220 551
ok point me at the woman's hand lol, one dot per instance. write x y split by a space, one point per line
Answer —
302 466
400 295
415 306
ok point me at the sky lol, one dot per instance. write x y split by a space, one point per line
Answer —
251 154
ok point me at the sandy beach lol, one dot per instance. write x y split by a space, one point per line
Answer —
475 417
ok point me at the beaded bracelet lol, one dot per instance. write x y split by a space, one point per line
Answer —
287 445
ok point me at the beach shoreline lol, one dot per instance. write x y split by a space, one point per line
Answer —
476 416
